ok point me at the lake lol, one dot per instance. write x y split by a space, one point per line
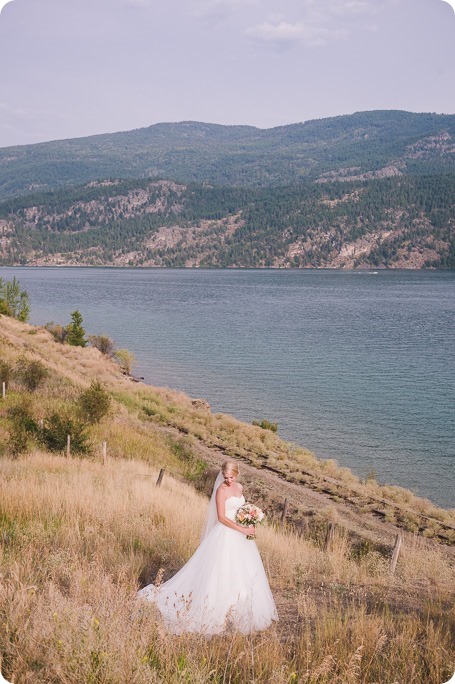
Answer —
354 365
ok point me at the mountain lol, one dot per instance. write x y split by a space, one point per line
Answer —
358 146
397 222
372 189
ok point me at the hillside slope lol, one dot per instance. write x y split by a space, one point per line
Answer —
397 222
365 144
78 537
174 431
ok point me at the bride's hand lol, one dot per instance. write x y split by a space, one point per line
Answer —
251 531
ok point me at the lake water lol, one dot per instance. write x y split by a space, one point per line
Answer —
355 366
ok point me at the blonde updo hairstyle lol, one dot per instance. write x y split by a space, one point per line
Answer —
230 467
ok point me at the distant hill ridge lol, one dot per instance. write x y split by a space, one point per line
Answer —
372 189
365 144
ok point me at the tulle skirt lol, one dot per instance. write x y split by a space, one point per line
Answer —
223 587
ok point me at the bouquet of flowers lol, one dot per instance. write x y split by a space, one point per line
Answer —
249 514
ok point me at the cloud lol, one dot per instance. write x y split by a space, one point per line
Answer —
316 23
284 34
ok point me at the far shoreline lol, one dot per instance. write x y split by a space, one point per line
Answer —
325 269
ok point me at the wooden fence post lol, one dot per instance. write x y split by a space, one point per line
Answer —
284 513
304 528
68 446
3 389
396 553
160 477
329 537
104 453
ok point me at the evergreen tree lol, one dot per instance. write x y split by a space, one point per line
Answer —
13 300
76 333
24 308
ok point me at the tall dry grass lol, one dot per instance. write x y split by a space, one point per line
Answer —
144 410
77 538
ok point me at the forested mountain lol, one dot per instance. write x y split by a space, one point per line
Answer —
399 221
358 146
373 189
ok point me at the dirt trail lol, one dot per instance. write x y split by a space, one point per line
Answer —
272 490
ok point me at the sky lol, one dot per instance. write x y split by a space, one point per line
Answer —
72 68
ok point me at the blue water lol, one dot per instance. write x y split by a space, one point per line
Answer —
355 366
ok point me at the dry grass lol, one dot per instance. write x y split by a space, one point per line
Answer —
76 536
148 408
77 539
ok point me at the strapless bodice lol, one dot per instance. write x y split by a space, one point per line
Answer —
232 504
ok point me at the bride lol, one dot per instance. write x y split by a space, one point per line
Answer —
223 586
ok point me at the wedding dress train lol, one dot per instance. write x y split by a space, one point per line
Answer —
223 586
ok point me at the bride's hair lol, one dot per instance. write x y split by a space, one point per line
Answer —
230 467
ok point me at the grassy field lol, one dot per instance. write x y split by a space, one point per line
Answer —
77 539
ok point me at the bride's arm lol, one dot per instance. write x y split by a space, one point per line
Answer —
221 512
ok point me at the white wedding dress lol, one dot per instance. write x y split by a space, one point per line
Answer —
222 587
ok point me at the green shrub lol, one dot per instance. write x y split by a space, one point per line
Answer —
93 404
22 425
57 427
193 466
125 360
22 412
265 425
149 410
31 373
17 441
58 332
4 308
103 343
6 372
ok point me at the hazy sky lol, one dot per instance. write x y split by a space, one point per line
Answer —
70 68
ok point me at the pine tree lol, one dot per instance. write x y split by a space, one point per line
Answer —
13 301
76 333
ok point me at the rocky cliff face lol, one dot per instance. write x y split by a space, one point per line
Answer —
395 222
